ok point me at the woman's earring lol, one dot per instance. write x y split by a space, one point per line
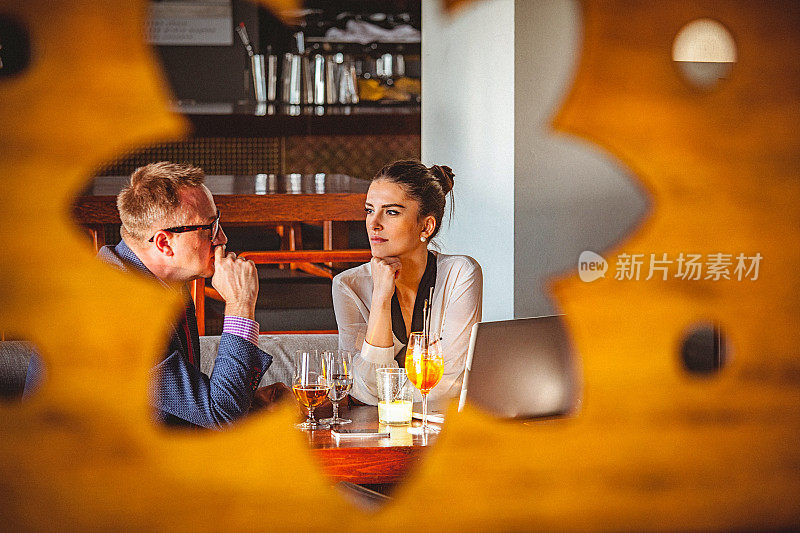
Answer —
422 238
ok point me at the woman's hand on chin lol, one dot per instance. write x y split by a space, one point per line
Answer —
384 271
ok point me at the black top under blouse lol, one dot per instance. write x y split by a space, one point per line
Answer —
423 293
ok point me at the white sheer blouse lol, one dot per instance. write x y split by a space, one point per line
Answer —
457 299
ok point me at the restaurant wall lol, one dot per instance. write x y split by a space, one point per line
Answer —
213 73
569 195
528 199
468 124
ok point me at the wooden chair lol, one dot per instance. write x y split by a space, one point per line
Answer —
315 262
311 261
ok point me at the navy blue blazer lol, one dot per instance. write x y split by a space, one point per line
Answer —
183 395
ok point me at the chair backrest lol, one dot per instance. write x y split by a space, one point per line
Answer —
15 355
281 347
523 368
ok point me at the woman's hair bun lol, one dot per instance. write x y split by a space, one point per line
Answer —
445 176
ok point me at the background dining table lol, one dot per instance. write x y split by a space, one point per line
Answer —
260 199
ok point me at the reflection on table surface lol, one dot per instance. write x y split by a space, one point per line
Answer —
366 417
257 184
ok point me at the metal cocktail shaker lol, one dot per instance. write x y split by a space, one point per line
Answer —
348 82
292 78
265 76
319 79
272 76
259 77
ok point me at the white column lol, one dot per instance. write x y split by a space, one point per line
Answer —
569 195
468 124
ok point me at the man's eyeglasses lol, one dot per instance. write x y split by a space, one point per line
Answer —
214 227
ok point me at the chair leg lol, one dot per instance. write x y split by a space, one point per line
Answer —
295 240
335 236
291 239
283 233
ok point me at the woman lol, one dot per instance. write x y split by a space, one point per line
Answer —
378 304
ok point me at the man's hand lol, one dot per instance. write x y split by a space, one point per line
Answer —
236 280
384 271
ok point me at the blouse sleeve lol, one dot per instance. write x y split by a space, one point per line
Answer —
461 310
352 332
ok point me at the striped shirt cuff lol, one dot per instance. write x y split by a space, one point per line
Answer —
241 327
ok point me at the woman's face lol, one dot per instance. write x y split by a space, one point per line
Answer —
393 224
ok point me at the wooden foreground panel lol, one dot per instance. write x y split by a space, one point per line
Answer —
651 449
722 167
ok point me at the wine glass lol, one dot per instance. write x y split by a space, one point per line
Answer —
340 378
310 385
424 366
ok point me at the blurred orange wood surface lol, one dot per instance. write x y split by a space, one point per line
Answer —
653 448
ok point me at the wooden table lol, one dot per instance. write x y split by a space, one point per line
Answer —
368 460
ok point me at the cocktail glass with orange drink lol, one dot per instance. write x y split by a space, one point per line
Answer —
424 366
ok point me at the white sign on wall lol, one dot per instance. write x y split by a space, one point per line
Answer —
191 23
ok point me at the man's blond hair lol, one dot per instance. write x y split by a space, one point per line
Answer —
152 199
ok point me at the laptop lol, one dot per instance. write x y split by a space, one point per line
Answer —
522 368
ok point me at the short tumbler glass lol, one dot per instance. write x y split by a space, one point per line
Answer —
395 396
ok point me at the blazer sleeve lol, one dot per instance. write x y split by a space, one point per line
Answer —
181 390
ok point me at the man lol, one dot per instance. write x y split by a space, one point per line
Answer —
171 231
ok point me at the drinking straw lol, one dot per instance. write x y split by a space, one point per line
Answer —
430 302
425 318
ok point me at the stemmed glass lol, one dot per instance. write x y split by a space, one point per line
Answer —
310 385
340 378
424 366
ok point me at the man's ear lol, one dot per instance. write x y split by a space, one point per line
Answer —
161 241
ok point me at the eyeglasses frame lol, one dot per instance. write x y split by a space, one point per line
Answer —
195 227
